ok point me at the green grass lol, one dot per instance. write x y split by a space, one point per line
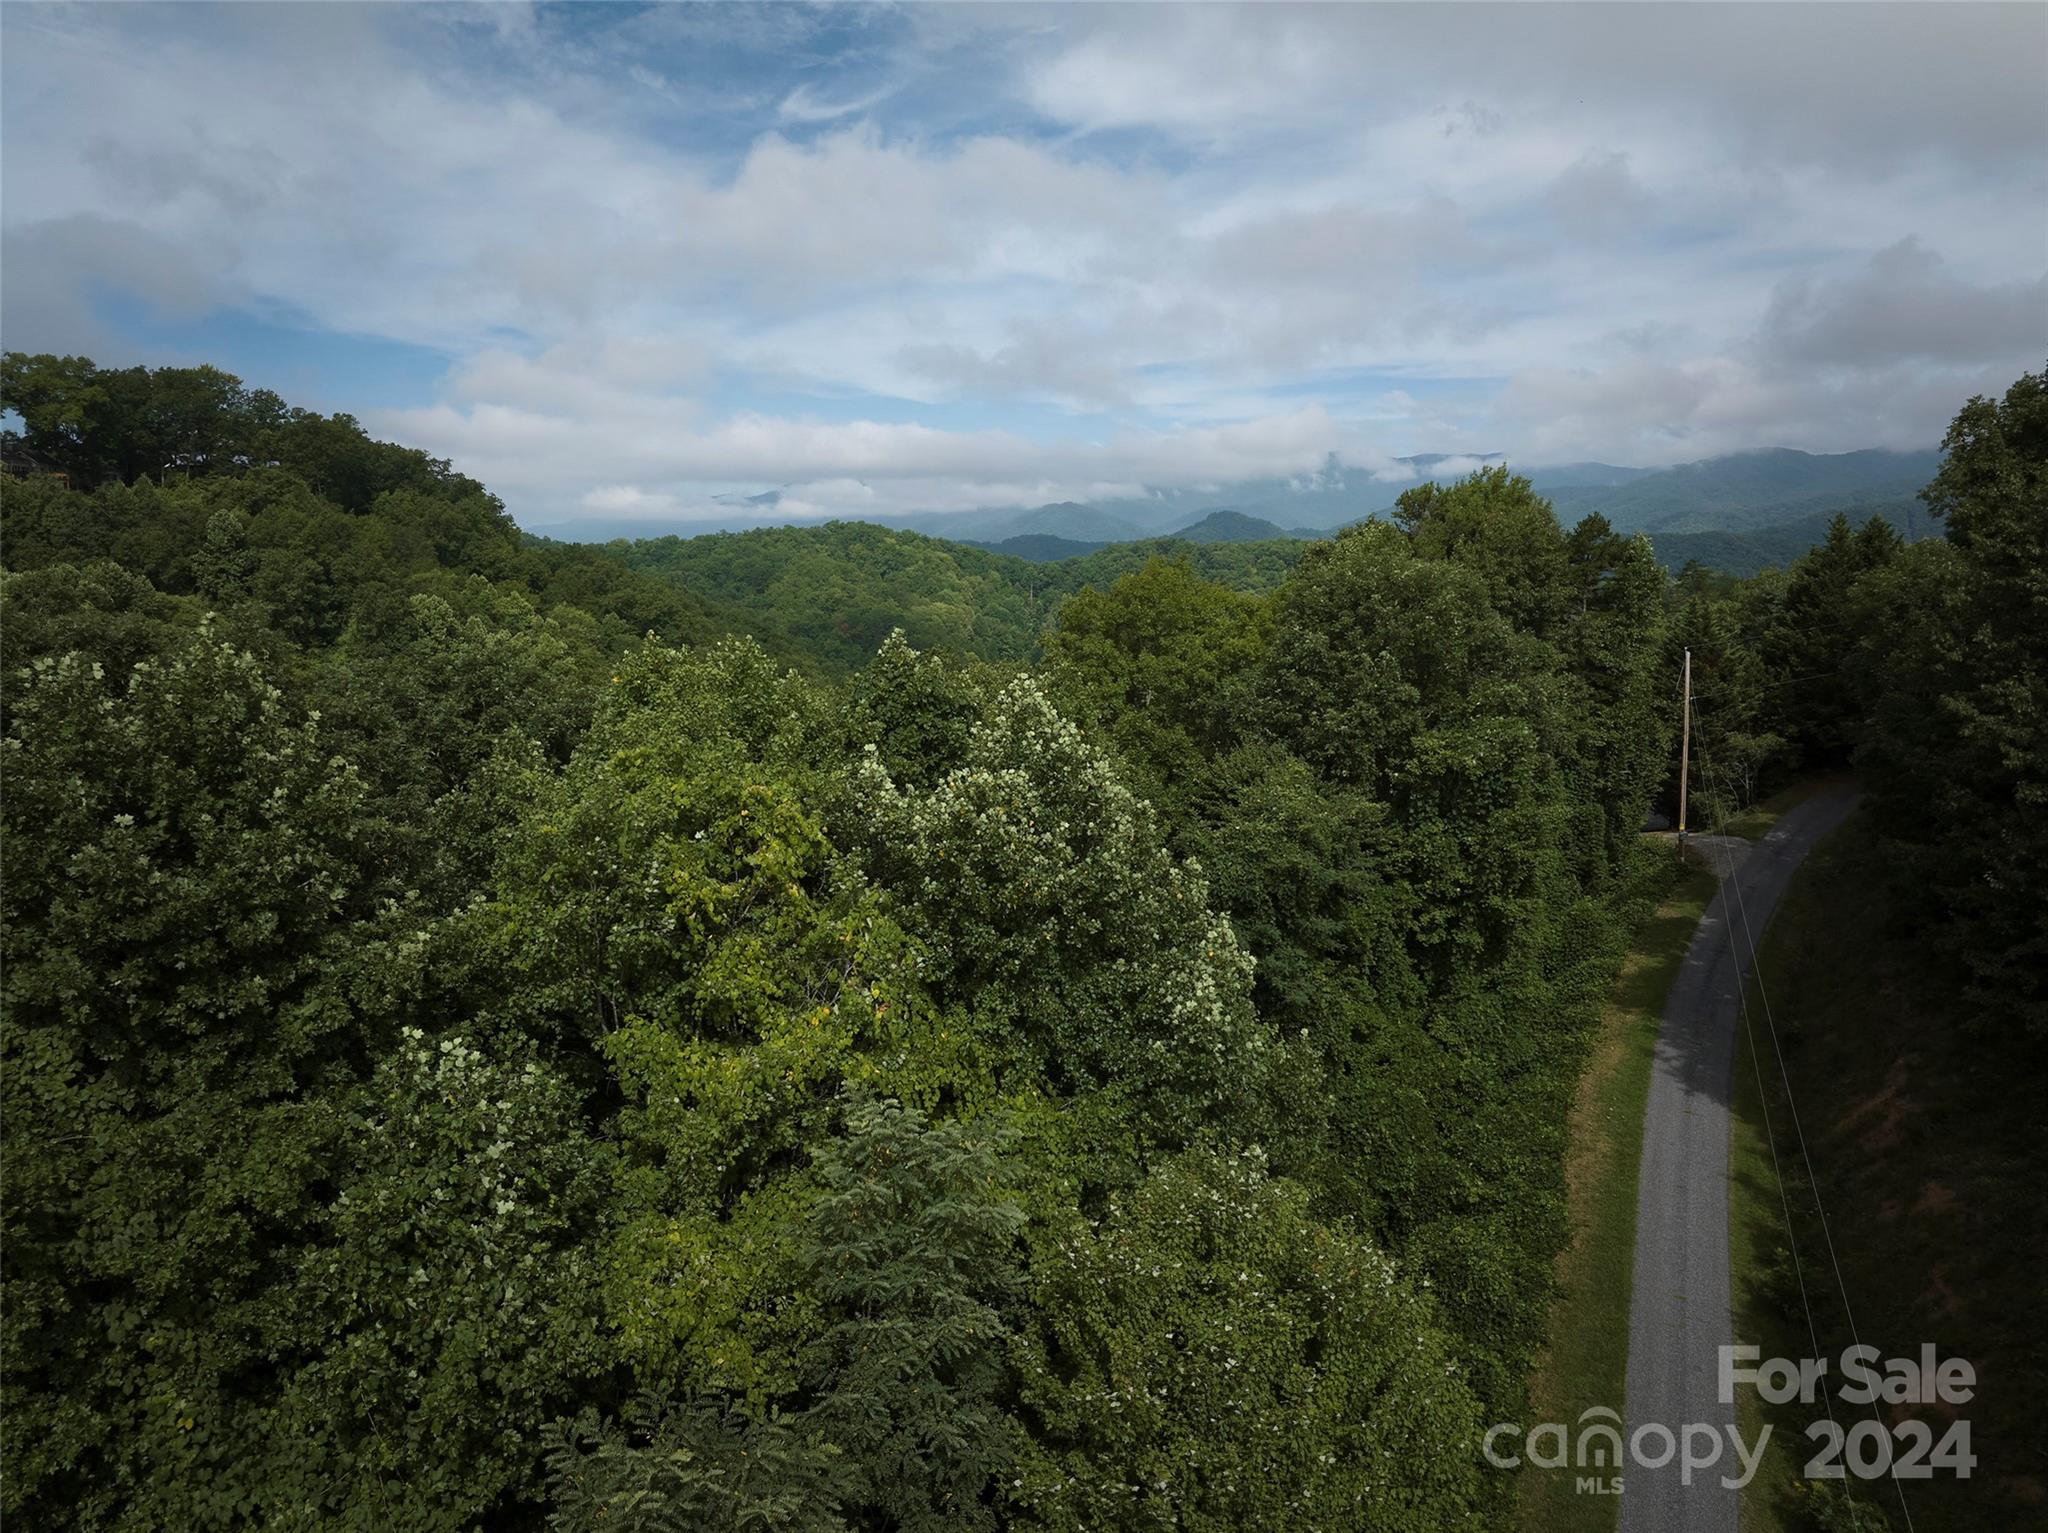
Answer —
1925 1138
1755 822
1587 1362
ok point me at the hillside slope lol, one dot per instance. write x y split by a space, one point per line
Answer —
1231 527
1749 491
835 592
1745 553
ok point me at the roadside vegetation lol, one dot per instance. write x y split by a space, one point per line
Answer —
1921 1168
1585 1362
1761 818
1898 1004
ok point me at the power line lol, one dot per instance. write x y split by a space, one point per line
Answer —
1813 1185
1777 1170
1763 1104
1786 681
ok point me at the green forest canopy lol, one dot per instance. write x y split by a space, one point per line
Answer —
486 1040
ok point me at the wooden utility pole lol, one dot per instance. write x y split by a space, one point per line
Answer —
1685 743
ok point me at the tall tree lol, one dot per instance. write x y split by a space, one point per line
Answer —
911 1246
1818 627
1958 760
188 934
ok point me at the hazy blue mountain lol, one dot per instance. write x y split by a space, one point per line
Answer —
1579 476
1233 527
1078 523
1338 495
1738 493
1751 490
767 500
1741 493
609 529
1072 520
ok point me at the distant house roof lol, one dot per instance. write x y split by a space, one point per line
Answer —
16 456
19 463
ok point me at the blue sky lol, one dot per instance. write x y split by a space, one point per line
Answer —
615 260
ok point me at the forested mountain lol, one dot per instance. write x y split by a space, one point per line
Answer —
1752 491
1071 521
1779 546
1039 547
497 1031
836 591
1231 527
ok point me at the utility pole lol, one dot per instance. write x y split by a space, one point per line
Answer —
1685 744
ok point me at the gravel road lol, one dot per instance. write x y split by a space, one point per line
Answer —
1680 1316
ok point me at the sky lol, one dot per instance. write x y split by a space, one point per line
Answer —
621 261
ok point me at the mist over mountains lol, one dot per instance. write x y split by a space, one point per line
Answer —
1770 503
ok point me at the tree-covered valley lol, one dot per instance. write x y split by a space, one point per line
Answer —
829 1027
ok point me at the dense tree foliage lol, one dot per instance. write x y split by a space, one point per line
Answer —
844 588
1211 1356
1953 672
836 592
103 425
1413 777
487 1042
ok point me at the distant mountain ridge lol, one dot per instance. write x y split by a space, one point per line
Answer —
1745 553
1737 493
1748 491
1070 520
1040 547
1235 527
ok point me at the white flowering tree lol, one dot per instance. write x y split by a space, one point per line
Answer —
451 1308
1208 1358
1048 907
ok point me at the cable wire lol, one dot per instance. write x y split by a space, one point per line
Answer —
1813 1182
1813 1186
1763 1103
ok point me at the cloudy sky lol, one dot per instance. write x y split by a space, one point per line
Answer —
617 260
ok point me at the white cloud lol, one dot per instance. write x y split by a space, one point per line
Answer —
628 500
1804 83
1077 247
1658 412
51 268
1199 69
804 104
847 467
535 446
1905 305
